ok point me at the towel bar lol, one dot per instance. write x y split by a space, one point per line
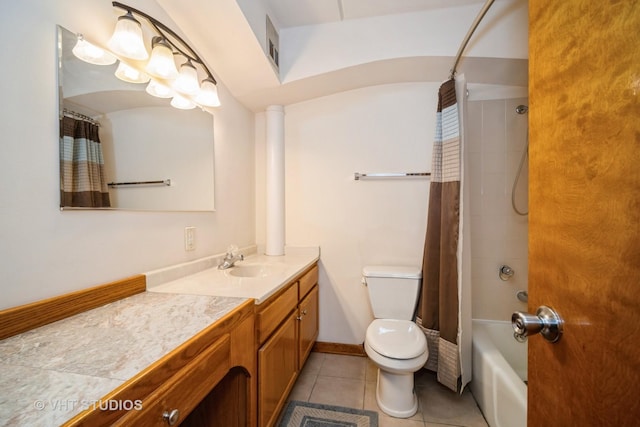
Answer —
358 176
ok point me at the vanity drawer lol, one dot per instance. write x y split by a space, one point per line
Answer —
184 391
275 312
308 281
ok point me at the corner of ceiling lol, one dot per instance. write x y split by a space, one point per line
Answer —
223 37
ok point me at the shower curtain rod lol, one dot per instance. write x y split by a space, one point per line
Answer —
463 46
76 115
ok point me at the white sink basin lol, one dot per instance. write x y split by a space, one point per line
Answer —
253 270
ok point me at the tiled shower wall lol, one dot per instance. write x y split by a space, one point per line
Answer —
496 139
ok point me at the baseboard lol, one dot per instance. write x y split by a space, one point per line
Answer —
339 348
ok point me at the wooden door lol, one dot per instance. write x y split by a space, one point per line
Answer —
584 221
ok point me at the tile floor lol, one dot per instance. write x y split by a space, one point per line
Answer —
351 381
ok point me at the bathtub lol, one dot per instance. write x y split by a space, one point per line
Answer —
499 373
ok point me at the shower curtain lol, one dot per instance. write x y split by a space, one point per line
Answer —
82 178
442 295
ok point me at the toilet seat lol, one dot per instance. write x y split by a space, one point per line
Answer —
396 339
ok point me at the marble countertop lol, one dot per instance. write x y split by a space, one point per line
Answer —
273 272
51 373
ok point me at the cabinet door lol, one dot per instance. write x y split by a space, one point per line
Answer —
308 316
277 371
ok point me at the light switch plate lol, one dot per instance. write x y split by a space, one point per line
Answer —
189 238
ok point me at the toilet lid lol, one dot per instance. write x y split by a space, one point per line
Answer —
397 339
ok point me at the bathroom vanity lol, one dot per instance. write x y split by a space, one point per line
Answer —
285 290
168 355
286 329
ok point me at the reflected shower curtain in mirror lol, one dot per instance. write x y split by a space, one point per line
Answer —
438 309
82 179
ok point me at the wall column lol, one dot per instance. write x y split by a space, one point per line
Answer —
275 180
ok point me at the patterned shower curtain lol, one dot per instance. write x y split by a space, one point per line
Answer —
82 179
439 303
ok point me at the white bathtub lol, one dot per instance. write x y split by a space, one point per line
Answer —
499 372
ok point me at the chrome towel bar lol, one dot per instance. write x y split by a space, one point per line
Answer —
358 176
166 182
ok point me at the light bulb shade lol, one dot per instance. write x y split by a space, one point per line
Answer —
127 38
182 103
187 81
130 74
159 90
91 53
161 64
208 95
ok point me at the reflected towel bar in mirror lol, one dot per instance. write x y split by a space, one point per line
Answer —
166 182
358 176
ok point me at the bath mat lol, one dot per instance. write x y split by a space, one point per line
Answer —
307 414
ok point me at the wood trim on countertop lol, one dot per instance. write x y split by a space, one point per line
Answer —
23 318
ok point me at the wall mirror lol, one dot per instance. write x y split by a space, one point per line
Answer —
153 156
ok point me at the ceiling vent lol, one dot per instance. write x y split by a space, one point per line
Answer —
273 44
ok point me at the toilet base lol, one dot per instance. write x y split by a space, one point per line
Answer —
395 394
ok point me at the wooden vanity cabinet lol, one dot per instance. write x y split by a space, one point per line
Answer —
308 324
286 329
194 385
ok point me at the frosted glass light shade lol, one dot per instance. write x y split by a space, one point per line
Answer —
208 95
130 74
187 81
182 103
159 90
161 64
127 38
91 53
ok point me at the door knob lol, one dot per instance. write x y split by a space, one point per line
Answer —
546 322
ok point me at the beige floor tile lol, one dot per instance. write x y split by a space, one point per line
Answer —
441 405
314 363
338 391
371 372
335 365
351 381
384 421
303 387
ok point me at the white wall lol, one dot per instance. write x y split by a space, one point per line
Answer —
496 140
390 129
46 252
158 143
315 49
356 223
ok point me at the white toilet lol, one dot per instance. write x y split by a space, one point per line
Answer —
393 341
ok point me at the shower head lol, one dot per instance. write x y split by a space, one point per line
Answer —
522 109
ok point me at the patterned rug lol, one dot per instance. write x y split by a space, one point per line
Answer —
307 414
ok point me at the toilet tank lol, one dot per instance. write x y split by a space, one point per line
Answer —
393 291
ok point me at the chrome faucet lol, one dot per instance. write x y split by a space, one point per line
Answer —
229 260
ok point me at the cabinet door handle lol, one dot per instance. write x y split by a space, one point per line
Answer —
171 417
304 312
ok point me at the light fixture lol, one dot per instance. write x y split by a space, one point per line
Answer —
208 95
161 63
127 38
127 43
179 101
159 90
91 53
187 81
129 74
